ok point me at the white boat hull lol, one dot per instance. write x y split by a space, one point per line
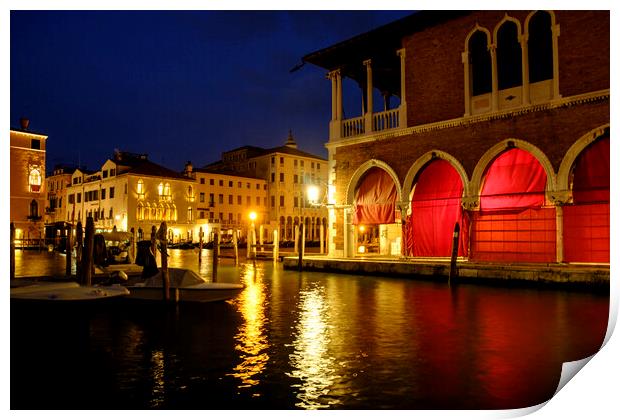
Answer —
67 293
201 293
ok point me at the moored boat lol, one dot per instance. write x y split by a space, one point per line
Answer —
66 292
185 286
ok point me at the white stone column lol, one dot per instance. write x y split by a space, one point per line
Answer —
559 233
402 110
555 33
369 104
335 123
338 95
466 82
494 85
525 70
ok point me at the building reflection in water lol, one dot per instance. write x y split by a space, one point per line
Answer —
310 360
251 340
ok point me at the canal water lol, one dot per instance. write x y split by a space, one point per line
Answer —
304 340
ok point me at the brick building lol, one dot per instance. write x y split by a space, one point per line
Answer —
27 157
288 172
498 120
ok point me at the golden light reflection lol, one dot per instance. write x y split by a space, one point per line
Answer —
310 359
157 373
251 339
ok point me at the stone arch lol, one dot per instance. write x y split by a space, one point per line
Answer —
526 24
422 161
473 31
473 199
571 156
359 174
506 18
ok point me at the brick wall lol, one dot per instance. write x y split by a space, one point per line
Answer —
435 80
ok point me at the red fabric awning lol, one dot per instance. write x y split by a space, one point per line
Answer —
435 208
591 174
514 180
375 198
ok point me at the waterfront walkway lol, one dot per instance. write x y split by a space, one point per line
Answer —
588 276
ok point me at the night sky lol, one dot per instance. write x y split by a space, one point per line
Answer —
176 85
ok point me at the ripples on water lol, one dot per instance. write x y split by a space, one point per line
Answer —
304 340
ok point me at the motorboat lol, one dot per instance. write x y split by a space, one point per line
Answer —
66 292
185 286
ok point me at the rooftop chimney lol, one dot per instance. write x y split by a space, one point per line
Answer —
24 122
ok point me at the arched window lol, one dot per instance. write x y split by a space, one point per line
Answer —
160 189
34 179
174 212
190 193
140 214
167 190
509 72
34 209
190 214
480 64
140 186
540 47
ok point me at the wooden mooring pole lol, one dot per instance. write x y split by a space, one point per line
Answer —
455 252
236 247
132 246
215 257
79 248
300 247
276 246
165 277
322 238
87 257
68 249
201 235
154 242
12 257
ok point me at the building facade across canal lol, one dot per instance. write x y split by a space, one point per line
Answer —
496 120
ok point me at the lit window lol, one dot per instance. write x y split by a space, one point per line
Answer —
160 189
167 190
34 180
140 187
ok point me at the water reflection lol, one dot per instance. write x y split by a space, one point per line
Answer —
157 374
251 339
310 360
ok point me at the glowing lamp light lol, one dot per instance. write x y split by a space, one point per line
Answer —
117 217
362 229
313 194
361 249
252 215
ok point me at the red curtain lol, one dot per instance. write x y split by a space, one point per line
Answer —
586 222
375 199
591 174
435 208
515 180
511 225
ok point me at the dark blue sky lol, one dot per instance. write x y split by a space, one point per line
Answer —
176 85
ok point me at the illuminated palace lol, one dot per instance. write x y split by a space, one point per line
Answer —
495 120
288 172
27 159
130 191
